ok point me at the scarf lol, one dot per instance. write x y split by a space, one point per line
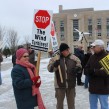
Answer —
32 72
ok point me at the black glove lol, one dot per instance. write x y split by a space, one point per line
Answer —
76 70
56 63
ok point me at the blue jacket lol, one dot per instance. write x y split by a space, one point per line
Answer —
22 86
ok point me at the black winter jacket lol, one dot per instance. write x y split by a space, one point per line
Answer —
98 78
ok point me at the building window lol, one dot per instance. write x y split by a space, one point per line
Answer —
107 27
107 33
62 30
99 34
107 43
89 21
107 21
76 26
99 21
99 27
90 26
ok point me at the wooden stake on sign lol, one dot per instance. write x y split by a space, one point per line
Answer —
38 63
60 73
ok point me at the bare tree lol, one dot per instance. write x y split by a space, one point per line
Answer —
12 40
2 35
27 43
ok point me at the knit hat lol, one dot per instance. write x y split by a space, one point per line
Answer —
63 47
20 52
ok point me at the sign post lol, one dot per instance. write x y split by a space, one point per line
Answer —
38 63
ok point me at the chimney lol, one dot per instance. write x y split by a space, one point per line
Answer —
60 8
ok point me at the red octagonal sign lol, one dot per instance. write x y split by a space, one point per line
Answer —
52 30
42 19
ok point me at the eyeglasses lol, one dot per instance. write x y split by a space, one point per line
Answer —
26 56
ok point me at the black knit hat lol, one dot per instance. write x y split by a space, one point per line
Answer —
63 47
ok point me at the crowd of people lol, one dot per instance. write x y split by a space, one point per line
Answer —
73 66
68 69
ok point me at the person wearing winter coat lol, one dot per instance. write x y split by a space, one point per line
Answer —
80 54
25 82
1 59
69 65
14 56
99 78
32 56
14 59
86 58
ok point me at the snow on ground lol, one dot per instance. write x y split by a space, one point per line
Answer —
7 100
7 60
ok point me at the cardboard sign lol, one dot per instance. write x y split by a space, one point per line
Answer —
105 63
54 41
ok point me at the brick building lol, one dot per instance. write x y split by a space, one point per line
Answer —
96 22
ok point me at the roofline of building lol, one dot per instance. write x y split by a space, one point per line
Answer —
61 10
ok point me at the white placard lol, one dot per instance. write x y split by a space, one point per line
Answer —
41 30
54 41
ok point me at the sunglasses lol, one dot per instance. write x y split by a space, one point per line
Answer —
26 56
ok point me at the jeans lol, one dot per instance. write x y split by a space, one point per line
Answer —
86 81
93 99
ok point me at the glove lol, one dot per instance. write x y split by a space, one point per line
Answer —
38 83
76 70
35 80
56 63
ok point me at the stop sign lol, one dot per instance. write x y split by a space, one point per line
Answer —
42 19
52 30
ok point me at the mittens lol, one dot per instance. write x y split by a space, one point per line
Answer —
56 63
76 70
36 81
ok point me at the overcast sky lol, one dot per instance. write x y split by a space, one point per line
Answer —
18 14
